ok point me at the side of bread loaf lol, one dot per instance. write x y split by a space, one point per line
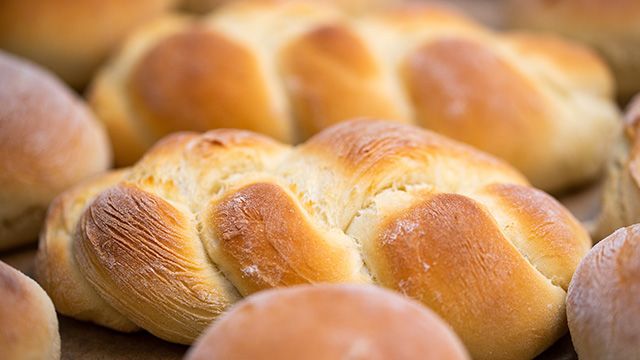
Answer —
28 322
49 140
290 69
603 306
621 194
203 220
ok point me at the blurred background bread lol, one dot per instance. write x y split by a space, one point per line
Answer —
28 322
610 26
350 6
289 70
72 37
603 303
205 219
621 193
49 140
328 322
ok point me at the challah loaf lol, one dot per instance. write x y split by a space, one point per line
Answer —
49 140
72 37
621 195
603 304
289 69
202 220
328 322
610 26
28 322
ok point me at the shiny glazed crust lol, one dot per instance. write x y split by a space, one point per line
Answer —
203 220
540 103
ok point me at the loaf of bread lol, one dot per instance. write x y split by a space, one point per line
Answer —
203 220
49 140
328 322
603 304
28 322
610 26
288 69
621 195
72 37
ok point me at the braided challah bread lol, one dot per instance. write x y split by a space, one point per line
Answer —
288 69
202 220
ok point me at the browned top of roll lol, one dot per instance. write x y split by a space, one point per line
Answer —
328 322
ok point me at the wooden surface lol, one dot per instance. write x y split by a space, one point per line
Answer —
81 340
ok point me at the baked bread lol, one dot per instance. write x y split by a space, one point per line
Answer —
328 322
621 194
72 37
610 26
49 140
28 322
603 304
203 220
289 69
351 6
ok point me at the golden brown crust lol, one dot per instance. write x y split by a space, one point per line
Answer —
164 271
67 36
414 254
473 80
602 303
328 322
28 322
56 268
262 239
49 140
200 80
326 66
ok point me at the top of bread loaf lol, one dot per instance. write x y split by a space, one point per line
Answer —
201 220
289 69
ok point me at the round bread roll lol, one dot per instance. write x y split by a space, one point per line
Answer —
611 26
328 322
71 37
28 322
49 140
603 303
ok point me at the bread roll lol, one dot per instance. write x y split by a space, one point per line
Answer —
289 69
28 322
72 37
203 220
610 26
603 304
621 194
49 140
328 322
